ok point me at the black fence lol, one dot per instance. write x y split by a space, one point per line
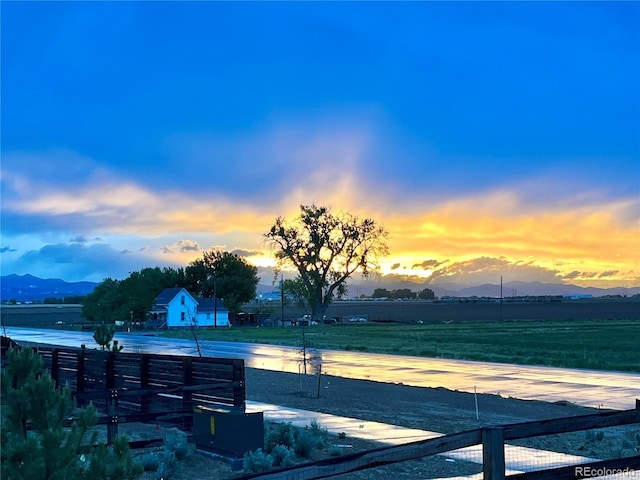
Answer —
141 387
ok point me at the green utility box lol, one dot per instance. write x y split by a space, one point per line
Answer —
227 434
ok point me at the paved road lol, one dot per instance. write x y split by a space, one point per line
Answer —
590 388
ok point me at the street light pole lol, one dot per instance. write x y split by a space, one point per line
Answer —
215 304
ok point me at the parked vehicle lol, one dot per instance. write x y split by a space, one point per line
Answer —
357 319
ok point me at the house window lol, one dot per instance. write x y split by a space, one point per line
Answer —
208 316
182 300
182 316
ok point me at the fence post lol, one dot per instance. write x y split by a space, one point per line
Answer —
55 366
493 465
110 372
187 379
145 400
112 413
239 392
80 360
112 397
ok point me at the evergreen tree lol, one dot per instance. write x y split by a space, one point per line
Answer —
103 335
36 445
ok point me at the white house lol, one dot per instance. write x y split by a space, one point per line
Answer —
176 307
212 313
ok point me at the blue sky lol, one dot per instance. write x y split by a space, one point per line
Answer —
490 139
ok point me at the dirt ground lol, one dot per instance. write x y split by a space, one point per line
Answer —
438 410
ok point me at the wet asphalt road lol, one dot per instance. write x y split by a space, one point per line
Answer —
589 388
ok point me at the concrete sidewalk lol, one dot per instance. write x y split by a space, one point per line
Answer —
517 459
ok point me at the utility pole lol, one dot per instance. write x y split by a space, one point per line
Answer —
282 296
215 304
501 298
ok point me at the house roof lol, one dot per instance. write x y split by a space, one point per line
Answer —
167 295
209 304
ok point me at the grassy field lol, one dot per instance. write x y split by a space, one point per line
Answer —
561 334
593 344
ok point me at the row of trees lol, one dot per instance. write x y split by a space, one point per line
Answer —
404 293
323 248
217 273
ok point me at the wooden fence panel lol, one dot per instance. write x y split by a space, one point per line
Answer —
146 386
166 372
493 463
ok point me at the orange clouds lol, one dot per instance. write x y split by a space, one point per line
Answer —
592 239
514 231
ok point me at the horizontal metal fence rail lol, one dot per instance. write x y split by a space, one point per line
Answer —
492 440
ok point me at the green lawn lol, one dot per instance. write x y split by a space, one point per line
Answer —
593 344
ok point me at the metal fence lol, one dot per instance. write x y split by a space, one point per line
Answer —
488 446
139 387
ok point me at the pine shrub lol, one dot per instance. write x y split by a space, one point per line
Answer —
37 444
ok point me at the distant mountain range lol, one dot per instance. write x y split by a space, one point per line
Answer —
513 289
509 289
25 288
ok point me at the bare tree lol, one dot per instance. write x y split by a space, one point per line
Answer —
192 318
326 249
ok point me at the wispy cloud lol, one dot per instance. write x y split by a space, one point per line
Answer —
454 233
76 261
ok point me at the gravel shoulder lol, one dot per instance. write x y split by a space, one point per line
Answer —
435 409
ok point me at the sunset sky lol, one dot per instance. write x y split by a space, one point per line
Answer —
490 139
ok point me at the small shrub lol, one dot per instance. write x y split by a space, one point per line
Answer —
150 462
305 442
317 430
167 466
283 456
257 461
342 435
319 433
176 443
281 434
